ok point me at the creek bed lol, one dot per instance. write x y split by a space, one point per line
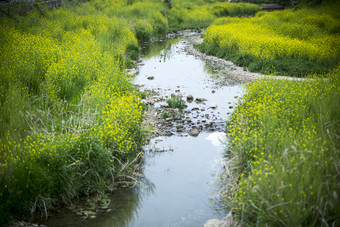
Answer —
178 186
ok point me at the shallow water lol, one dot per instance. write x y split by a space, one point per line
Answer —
180 172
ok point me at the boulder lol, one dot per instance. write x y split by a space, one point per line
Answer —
194 131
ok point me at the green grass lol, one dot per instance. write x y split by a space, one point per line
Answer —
284 147
176 102
70 118
290 42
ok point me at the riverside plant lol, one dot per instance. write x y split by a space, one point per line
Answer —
289 42
70 118
175 102
284 147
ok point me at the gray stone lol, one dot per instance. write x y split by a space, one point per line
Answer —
214 223
168 133
200 99
150 77
189 98
227 221
194 131
213 106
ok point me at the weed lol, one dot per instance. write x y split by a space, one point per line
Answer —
175 102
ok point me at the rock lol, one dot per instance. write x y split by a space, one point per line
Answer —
213 106
227 221
200 99
213 91
177 94
214 223
150 77
179 127
131 72
230 107
194 131
190 98
168 133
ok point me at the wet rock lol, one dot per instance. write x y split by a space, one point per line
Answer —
230 107
177 95
180 128
168 133
194 131
199 100
190 98
214 223
213 91
131 72
212 129
227 221
150 77
213 106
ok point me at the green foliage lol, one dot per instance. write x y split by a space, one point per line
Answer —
166 115
143 30
69 116
285 147
287 42
197 14
176 102
70 119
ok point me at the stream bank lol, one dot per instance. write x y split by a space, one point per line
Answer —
185 154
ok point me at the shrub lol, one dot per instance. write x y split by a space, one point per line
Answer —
143 30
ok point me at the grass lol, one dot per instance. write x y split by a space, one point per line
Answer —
70 118
285 150
294 43
283 153
175 102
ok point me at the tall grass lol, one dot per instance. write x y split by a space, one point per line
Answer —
197 14
69 116
285 150
287 42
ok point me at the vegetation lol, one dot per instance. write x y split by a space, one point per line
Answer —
285 151
288 42
197 14
70 118
176 102
284 145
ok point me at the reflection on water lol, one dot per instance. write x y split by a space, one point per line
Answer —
161 49
184 178
216 138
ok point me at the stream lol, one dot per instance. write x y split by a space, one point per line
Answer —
178 187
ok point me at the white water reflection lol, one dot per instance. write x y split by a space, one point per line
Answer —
217 139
